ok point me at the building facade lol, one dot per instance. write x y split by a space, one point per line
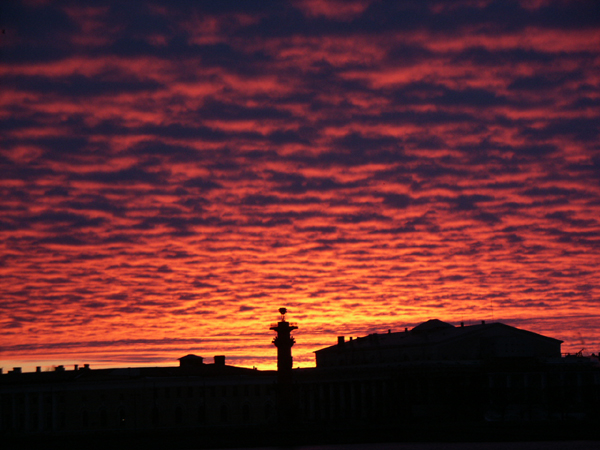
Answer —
488 373
82 399
435 340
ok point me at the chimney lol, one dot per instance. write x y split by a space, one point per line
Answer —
16 370
76 368
406 330
86 366
38 369
219 360
483 322
341 340
59 369
462 324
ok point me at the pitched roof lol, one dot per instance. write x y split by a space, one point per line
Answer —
191 357
429 332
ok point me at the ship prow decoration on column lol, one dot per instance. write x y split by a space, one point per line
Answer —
284 342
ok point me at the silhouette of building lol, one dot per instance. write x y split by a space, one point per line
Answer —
440 341
191 395
434 373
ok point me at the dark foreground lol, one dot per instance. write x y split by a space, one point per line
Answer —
282 436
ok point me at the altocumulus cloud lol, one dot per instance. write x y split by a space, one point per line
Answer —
169 168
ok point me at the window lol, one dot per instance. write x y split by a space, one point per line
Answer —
155 416
121 416
201 413
103 418
268 410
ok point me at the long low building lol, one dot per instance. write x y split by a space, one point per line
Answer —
435 340
191 395
486 373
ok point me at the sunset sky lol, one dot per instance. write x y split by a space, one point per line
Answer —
174 172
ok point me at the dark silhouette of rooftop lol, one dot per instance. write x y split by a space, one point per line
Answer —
436 377
438 340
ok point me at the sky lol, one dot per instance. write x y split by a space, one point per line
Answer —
172 173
